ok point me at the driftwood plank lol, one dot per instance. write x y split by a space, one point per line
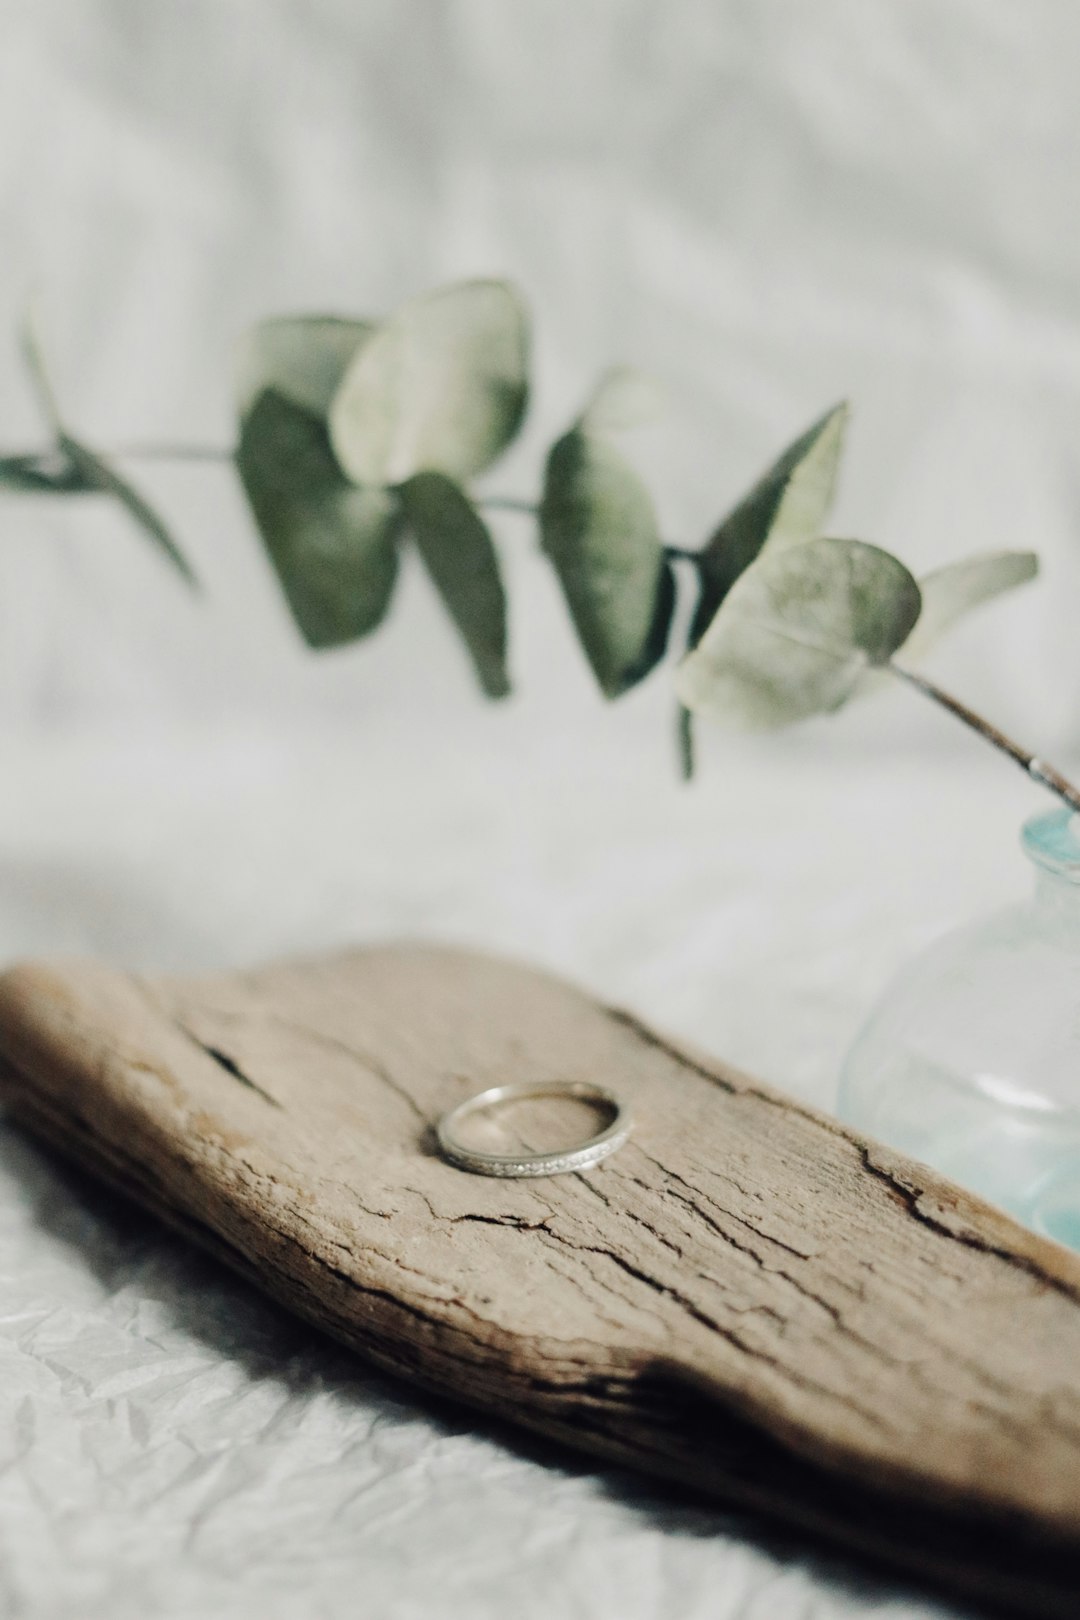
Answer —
747 1298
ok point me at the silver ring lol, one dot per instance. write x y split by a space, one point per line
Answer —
533 1164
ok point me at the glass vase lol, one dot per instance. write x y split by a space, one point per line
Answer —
971 1061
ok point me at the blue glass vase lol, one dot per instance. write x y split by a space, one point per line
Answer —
971 1061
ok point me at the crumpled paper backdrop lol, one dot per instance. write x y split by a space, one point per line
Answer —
772 205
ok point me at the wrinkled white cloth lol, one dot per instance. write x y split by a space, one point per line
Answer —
172 1446
769 205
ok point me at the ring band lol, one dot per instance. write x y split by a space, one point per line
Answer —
533 1164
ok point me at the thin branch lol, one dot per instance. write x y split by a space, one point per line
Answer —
1034 767
171 452
507 503
215 453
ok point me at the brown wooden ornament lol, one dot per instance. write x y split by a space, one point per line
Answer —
746 1298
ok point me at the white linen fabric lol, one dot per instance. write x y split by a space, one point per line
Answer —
771 206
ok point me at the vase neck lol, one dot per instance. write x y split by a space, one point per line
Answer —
1052 843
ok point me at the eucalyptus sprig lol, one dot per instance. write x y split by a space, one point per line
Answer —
357 438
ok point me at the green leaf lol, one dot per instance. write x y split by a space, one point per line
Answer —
787 506
34 354
439 387
950 592
459 555
623 398
333 544
302 357
599 528
797 631
83 470
98 474
43 473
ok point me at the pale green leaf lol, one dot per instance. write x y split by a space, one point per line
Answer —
459 555
950 592
788 505
439 387
97 473
797 631
333 544
599 528
33 351
623 398
302 357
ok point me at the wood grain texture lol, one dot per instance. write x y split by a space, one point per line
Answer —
747 1298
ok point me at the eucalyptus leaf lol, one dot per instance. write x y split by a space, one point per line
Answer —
82 470
599 528
439 387
302 357
97 473
333 544
788 505
459 555
950 592
46 472
624 397
33 352
797 631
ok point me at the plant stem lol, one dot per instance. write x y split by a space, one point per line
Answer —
507 503
1036 768
213 452
171 452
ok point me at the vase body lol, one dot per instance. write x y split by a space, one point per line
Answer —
971 1061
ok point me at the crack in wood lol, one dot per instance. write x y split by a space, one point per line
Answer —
231 1066
371 1064
911 1194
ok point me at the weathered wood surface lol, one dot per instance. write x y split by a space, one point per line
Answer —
747 1298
